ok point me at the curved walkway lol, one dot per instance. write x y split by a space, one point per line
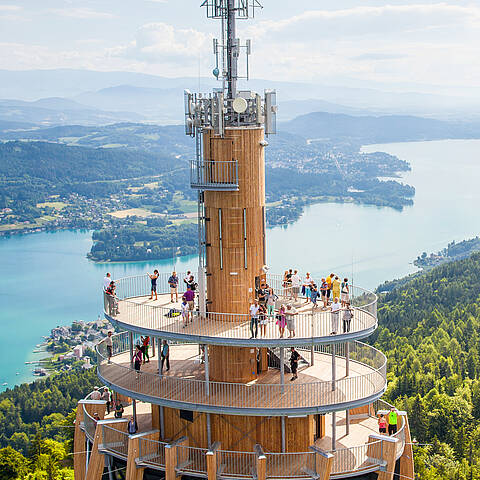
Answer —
185 386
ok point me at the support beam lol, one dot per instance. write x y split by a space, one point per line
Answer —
347 359
282 370
134 407
209 430
96 463
312 355
334 431
347 422
207 371
135 472
212 461
283 435
334 366
130 343
162 423
159 359
261 463
171 457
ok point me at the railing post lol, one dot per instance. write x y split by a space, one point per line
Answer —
347 359
323 464
334 431
383 449
134 451
171 458
334 367
209 430
130 342
283 435
347 422
261 463
212 461
207 371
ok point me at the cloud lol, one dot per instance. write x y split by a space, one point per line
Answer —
81 13
9 8
157 42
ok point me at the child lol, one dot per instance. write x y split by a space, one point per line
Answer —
314 294
185 310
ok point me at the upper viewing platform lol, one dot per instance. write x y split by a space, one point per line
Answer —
134 310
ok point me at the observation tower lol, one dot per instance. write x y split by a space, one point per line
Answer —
227 407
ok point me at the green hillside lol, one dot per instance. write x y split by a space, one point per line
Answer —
429 329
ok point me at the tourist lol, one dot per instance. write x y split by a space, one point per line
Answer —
262 320
336 287
329 281
165 357
290 316
191 283
382 424
281 320
392 421
254 319
96 395
323 291
186 278
119 410
144 348
112 299
153 279
345 292
296 284
137 359
314 294
185 309
336 306
262 295
109 344
285 283
190 298
308 287
96 418
106 397
132 426
106 281
347 318
289 282
271 300
173 282
294 363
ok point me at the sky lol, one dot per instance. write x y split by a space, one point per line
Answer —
341 41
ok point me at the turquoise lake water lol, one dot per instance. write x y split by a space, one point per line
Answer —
46 279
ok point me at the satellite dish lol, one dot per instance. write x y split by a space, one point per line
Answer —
240 105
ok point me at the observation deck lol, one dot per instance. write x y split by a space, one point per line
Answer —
214 175
313 326
359 379
359 451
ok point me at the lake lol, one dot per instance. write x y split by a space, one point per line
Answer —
47 280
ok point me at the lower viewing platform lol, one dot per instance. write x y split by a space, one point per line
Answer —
359 448
330 378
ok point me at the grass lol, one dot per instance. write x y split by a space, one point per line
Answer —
55 205
138 212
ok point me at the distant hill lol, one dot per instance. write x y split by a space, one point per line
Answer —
60 111
324 126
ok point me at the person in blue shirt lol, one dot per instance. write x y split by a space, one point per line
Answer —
173 282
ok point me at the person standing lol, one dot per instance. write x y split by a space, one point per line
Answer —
281 320
323 291
289 282
186 278
137 360
329 281
262 320
336 306
347 318
153 279
106 281
336 287
145 345
308 287
165 356
106 397
190 298
290 316
119 410
314 295
382 424
294 356
132 426
254 319
185 309
392 421
271 299
173 282
96 395
109 344
345 292
296 284
112 299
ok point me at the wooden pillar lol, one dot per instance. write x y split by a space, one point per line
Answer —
171 457
406 460
261 463
79 440
263 360
96 463
323 464
212 461
383 448
133 471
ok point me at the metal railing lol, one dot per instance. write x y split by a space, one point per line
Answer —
115 441
89 425
314 325
151 452
274 397
216 175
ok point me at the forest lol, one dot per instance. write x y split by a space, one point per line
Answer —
429 328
